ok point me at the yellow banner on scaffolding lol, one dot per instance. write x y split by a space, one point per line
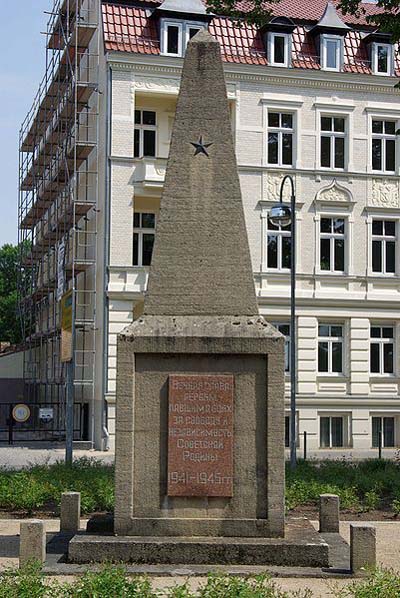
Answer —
66 346
66 311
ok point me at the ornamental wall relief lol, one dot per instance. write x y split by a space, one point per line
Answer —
272 186
334 193
385 193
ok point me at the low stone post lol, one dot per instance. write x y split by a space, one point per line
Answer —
329 513
70 512
32 544
362 546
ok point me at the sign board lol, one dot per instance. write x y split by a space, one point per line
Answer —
200 435
66 310
60 270
46 415
66 346
21 413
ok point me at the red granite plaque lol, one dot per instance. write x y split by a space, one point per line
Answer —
200 435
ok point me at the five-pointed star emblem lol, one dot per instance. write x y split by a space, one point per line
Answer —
201 147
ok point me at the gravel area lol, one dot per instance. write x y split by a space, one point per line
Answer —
17 457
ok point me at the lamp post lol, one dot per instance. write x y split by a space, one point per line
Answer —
283 215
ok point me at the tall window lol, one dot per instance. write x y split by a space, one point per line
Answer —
384 246
280 138
383 432
330 348
332 244
285 330
331 53
145 133
331 432
382 350
279 44
384 145
382 59
278 247
333 137
143 238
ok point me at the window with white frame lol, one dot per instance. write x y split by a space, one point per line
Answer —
330 348
382 58
143 237
382 350
384 246
279 49
331 52
280 138
331 431
284 328
145 141
383 145
175 35
333 142
279 246
332 244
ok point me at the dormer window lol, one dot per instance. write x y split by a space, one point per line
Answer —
175 36
382 59
279 49
331 52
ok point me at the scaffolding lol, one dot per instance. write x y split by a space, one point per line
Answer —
57 210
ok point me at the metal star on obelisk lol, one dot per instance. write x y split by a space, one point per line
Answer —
201 147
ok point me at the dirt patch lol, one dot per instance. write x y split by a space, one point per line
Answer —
311 512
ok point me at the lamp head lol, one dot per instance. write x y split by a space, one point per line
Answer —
280 215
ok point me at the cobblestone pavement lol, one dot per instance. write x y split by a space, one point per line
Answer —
388 556
16 457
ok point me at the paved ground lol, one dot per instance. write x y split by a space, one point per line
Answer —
388 550
18 456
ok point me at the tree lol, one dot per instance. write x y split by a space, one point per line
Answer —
259 12
10 329
388 20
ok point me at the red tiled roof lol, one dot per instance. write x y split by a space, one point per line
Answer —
130 29
303 10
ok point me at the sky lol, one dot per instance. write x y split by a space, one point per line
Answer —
22 64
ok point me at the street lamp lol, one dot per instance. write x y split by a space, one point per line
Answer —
283 215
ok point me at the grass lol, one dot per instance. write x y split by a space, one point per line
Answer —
39 487
362 485
113 582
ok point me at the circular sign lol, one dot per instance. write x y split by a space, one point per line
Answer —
21 413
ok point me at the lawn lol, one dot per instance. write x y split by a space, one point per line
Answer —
362 486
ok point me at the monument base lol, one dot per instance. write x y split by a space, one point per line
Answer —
301 547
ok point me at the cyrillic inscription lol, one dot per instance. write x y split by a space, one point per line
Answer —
200 435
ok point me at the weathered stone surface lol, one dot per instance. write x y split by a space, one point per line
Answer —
70 516
32 541
362 546
302 547
329 513
201 260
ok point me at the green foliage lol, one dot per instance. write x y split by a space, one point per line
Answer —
9 265
253 587
39 485
27 582
110 581
380 584
388 20
361 485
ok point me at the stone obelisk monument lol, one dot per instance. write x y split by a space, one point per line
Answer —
200 382
200 390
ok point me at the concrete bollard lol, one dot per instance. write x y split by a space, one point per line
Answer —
329 513
32 544
362 546
70 519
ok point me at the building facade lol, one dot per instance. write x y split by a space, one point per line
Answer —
312 94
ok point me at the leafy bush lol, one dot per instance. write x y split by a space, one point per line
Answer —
361 485
380 584
40 485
